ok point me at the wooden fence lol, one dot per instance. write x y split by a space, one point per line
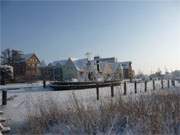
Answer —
89 85
97 85
125 88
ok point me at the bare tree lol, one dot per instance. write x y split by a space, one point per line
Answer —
6 57
11 57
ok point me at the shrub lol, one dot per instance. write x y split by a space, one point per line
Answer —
155 114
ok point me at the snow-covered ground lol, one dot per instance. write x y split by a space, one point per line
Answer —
22 86
20 100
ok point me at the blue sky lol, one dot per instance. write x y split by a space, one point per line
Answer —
146 33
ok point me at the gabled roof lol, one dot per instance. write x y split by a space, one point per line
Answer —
26 57
81 64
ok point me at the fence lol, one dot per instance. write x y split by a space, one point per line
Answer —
125 88
98 85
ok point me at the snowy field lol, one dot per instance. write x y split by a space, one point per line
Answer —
20 100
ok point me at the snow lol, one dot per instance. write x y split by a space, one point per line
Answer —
20 100
22 86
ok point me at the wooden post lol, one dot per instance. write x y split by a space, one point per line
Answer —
4 93
154 87
168 83
145 86
173 83
44 83
162 84
135 87
3 78
4 97
97 91
112 90
125 88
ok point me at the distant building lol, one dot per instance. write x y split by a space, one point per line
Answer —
27 68
89 70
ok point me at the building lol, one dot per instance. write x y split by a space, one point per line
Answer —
98 69
27 67
70 69
128 72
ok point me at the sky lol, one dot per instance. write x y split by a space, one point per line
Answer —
146 33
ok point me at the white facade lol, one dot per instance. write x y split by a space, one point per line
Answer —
93 70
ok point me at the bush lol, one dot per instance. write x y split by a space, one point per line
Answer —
155 114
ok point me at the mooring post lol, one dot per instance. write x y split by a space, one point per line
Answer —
125 88
168 83
97 91
154 87
4 97
112 90
44 83
135 87
162 84
145 86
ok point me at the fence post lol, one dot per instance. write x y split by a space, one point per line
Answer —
135 87
4 97
162 84
173 83
125 88
4 92
97 91
3 82
112 90
168 84
154 85
145 86
44 83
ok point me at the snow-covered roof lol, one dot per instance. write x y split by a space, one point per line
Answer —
27 56
81 64
61 62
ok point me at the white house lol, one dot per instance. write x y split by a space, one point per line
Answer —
92 70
